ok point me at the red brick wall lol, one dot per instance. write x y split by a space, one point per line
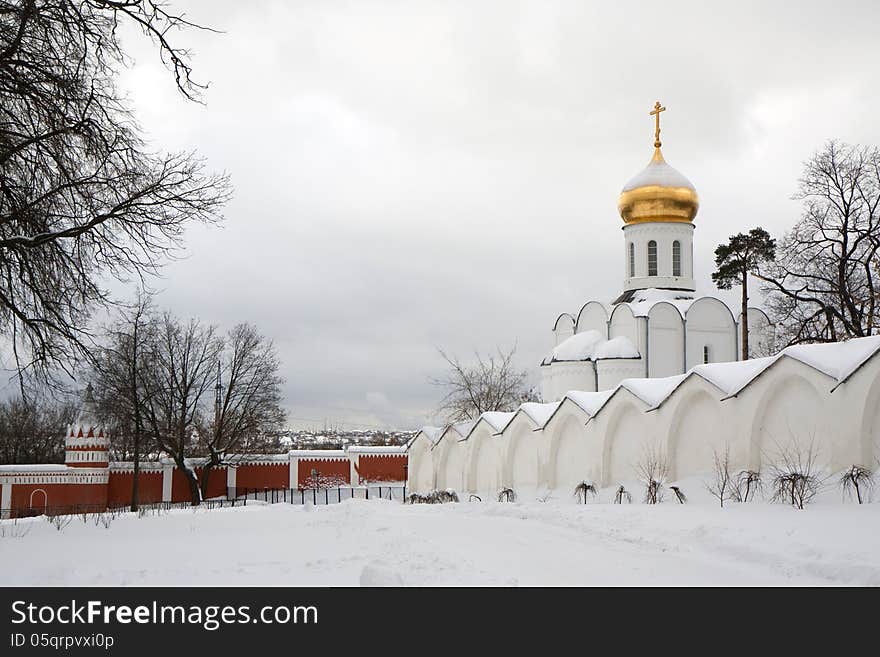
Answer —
180 486
259 477
119 487
335 470
382 467
57 498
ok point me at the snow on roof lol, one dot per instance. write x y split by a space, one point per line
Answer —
592 345
35 467
589 402
734 376
653 391
497 419
643 300
317 453
539 413
431 433
836 359
658 172
376 449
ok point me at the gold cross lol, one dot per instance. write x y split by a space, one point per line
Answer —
656 115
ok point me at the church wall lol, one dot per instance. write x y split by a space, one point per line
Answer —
563 328
377 468
665 340
593 317
614 370
562 376
625 323
709 323
664 234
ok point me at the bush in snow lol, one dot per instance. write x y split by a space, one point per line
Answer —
475 498
507 495
653 469
722 486
585 489
796 480
622 495
857 479
59 522
746 484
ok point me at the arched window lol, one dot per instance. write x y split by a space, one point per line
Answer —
676 258
652 258
632 260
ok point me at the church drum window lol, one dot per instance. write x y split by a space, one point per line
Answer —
705 354
676 258
652 258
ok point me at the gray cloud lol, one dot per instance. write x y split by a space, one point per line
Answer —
421 174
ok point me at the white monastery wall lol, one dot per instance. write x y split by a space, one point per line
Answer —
824 396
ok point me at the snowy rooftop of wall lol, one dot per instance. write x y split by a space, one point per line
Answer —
838 360
431 433
376 449
497 419
658 172
317 454
36 467
591 345
539 413
589 402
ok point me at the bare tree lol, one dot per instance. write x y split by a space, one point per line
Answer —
492 383
122 383
722 485
795 474
184 358
622 495
247 404
823 285
653 469
32 429
83 198
856 480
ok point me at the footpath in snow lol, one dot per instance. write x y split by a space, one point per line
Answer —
386 543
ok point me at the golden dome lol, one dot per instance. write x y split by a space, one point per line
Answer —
658 193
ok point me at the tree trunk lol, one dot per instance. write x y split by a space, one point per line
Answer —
745 315
137 470
194 490
206 477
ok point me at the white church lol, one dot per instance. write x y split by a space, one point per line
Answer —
658 326
659 371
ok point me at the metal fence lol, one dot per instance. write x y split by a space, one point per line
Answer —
323 495
93 509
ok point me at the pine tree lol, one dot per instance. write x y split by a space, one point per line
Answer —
742 254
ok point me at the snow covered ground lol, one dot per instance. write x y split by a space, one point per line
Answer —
386 543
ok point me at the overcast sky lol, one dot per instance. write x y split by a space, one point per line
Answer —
410 175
